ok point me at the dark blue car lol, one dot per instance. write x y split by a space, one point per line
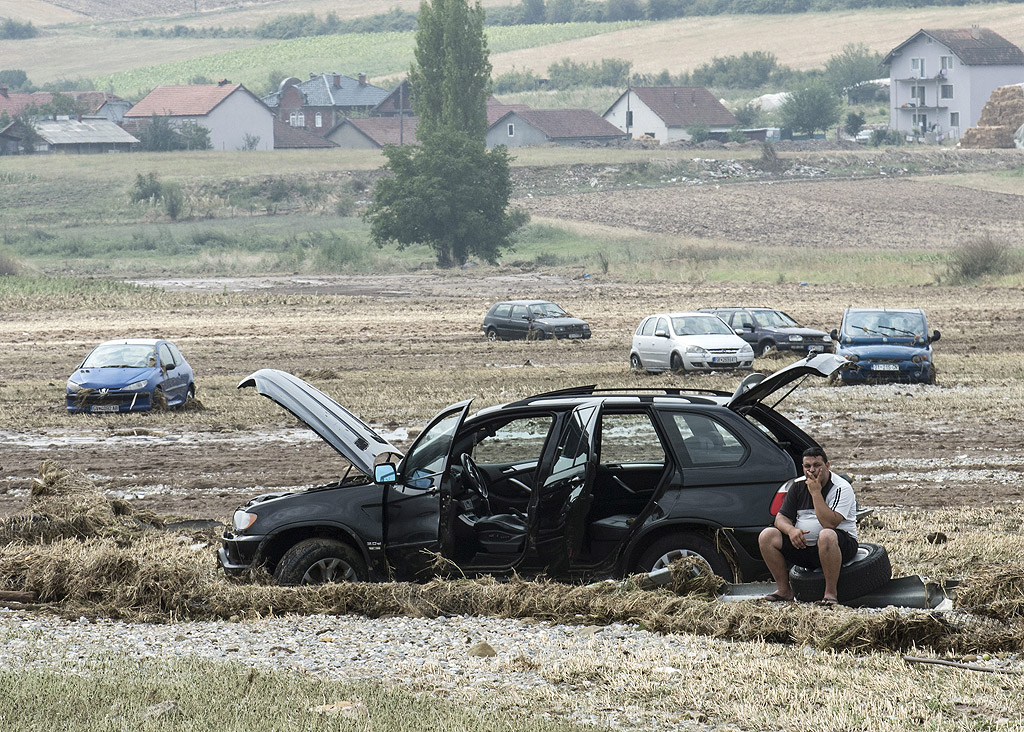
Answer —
885 344
132 375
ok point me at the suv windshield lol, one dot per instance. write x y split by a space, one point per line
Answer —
884 323
774 319
546 310
700 325
121 356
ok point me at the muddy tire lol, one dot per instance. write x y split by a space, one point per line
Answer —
492 335
676 364
868 572
319 561
666 550
635 364
765 348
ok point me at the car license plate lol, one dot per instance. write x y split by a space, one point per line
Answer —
724 359
105 408
815 349
575 335
885 367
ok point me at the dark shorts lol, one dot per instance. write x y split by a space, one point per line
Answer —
808 556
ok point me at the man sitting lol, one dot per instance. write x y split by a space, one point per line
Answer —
815 527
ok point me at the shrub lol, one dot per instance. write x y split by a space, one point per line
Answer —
980 256
8 264
147 188
174 200
699 132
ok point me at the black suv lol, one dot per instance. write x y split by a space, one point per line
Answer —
766 329
575 483
533 320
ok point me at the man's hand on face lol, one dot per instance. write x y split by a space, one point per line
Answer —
816 472
796 537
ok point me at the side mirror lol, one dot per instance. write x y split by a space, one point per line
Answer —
936 335
661 334
834 335
385 474
738 331
169 367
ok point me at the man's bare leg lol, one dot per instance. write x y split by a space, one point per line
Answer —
831 561
770 541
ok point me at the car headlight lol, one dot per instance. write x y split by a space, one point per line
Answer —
136 385
746 350
919 358
852 357
242 520
697 350
73 387
796 338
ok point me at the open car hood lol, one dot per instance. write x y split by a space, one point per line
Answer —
338 427
756 387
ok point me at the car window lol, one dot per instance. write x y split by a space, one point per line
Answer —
662 325
699 325
178 358
166 359
775 319
521 440
708 442
742 320
573 446
518 312
502 311
647 328
427 458
630 438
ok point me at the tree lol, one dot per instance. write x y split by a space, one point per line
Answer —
451 194
452 71
855 64
561 11
854 123
532 12
815 107
15 80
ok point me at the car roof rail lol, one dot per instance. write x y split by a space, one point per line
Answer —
592 389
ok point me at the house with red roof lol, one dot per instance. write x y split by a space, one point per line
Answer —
92 103
939 80
373 133
233 115
665 113
522 127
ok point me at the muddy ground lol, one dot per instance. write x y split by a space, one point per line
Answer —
396 349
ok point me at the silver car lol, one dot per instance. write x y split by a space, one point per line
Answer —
688 342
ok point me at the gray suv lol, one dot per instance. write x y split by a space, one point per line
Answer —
766 330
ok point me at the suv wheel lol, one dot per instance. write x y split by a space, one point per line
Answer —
318 561
676 364
666 550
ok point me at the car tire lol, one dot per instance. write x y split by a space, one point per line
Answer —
535 335
765 348
635 364
869 571
676 364
319 561
492 334
684 544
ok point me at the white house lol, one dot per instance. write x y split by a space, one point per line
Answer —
522 127
667 112
940 79
234 116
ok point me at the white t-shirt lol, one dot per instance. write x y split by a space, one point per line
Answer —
839 497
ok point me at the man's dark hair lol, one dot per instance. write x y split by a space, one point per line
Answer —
816 452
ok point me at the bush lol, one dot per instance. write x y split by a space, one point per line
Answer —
8 264
699 132
983 255
174 200
12 30
147 188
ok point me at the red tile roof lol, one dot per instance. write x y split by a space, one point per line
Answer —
14 102
682 106
387 130
570 123
288 137
183 101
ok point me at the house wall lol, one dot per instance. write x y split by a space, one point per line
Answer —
645 121
971 88
350 138
238 115
524 134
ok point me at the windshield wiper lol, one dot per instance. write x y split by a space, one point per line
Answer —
866 330
898 330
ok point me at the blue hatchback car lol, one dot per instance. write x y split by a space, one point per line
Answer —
133 375
885 344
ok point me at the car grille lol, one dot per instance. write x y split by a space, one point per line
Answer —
723 351
86 399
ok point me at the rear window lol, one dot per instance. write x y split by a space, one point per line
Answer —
502 311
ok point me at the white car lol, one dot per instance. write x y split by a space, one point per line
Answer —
688 342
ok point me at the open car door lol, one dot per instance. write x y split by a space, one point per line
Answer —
412 505
562 500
